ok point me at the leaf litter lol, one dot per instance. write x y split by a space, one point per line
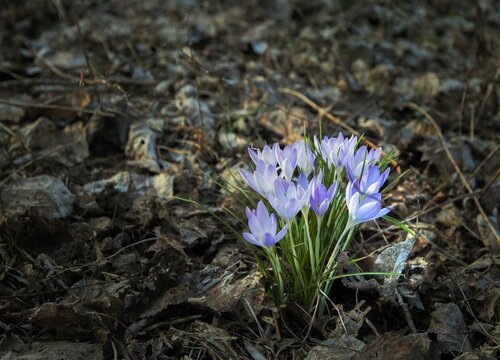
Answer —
110 113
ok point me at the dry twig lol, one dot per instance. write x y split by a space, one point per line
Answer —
324 113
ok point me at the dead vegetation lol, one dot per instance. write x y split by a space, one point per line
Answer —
112 111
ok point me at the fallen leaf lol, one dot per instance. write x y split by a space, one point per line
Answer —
448 324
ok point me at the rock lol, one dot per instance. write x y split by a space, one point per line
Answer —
46 194
160 186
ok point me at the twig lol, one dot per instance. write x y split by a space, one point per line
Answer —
480 166
324 113
455 166
312 318
87 60
404 307
56 107
491 182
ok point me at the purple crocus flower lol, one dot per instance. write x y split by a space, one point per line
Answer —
262 227
305 157
262 179
267 154
363 208
288 199
335 150
287 161
371 180
304 190
321 197
357 163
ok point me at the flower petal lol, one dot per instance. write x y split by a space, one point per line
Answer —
269 240
282 233
251 239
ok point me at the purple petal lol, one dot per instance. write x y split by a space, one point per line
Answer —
269 240
353 205
282 233
273 224
384 211
255 225
251 239
248 178
253 155
368 211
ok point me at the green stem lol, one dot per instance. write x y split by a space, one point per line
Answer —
318 238
331 266
312 249
276 265
297 268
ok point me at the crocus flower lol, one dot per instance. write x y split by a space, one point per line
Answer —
262 179
357 163
287 161
262 227
363 208
321 197
267 154
371 180
305 157
287 200
336 150
304 189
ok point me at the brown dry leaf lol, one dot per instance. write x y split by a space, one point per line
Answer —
351 321
343 348
168 252
73 139
214 336
11 113
373 80
426 86
59 350
38 135
230 140
486 235
395 346
58 316
414 129
289 123
227 293
79 99
173 296
473 355
107 297
449 218
101 224
41 138
448 324
491 308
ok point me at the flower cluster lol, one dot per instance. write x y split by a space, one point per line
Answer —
318 192
288 179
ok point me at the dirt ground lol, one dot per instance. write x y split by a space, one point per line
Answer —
113 112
